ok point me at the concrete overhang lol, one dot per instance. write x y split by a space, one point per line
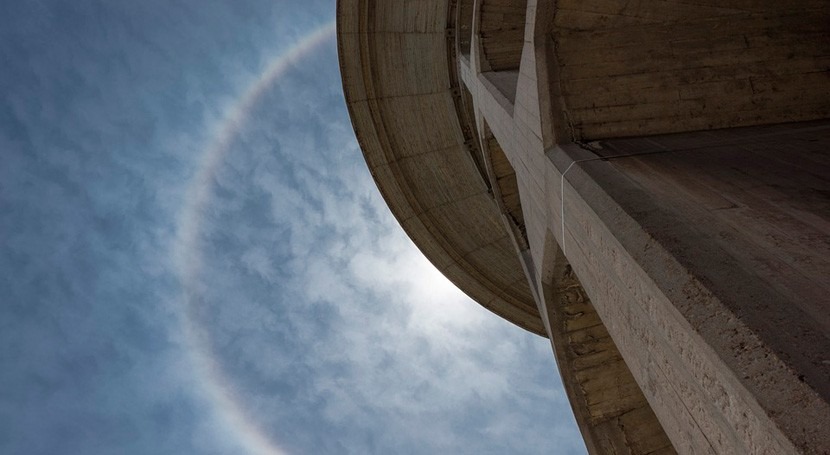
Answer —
398 77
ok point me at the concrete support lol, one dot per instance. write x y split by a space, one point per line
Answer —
638 163
706 267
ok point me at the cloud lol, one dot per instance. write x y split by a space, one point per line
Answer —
334 334
376 349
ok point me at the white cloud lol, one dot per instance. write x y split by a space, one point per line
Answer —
368 341
257 260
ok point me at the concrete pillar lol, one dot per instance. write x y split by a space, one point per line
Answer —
705 256
670 234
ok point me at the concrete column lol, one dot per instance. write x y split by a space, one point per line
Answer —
681 290
675 249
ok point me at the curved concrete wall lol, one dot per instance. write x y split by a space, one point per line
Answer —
702 324
406 117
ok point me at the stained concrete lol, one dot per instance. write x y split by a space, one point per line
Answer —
393 99
627 181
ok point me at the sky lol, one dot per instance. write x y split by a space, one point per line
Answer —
194 258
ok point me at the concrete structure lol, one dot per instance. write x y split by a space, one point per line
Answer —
645 183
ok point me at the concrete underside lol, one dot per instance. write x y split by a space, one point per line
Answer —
417 144
706 257
625 178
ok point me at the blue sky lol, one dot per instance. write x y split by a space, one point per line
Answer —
295 316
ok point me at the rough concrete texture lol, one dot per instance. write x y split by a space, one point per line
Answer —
429 180
624 178
655 66
609 405
755 213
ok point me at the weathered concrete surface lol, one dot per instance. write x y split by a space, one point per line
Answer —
430 180
501 33
609 406
718 321
746 212
523 172
656 66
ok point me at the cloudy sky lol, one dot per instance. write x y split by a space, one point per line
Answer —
195 260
